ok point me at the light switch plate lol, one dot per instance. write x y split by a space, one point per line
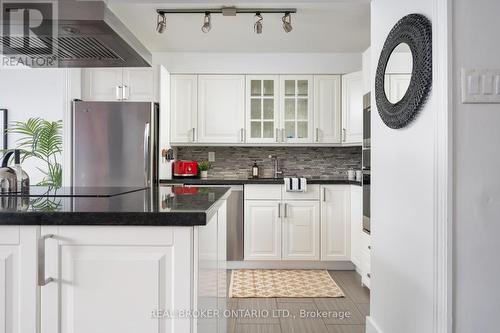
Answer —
481 85
211 156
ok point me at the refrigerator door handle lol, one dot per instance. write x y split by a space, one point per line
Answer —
146 153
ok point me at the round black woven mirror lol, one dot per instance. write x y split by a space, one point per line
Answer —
415 31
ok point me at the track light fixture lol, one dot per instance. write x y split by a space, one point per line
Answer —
287 22
161 23
207 25
257 27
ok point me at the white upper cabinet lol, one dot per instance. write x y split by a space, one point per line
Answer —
296 105
352 108
102 84
335 222
184 108
139 84
221 109
262 105
301 230
119 84
327 109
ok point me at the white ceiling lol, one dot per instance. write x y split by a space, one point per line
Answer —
319 26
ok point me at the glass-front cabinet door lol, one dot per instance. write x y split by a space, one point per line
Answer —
296 103
262 109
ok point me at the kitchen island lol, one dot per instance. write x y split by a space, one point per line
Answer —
113 259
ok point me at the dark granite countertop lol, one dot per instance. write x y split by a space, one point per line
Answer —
158 206
243 181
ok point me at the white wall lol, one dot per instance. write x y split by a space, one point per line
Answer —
259 63
402 201
30 93
477 180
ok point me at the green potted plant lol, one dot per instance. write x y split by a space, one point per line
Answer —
204 166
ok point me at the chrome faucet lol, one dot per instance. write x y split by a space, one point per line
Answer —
277 171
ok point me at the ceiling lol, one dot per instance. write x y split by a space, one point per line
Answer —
319 26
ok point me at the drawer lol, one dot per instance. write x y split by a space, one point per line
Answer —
263 192
312 193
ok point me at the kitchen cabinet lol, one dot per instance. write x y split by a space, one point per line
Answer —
327 109
221 109
111 279
183 108
352 108
281 225
119 84
18 291
396 85
296 101
301 230
262 105
335 222
262 230
356 224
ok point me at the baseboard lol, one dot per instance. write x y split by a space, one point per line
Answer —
330 265
371 327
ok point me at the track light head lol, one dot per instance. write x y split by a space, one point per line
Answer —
287 22
257 27
207 25
161 23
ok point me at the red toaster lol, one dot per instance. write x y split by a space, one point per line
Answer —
185 168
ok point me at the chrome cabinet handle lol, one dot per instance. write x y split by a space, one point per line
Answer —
344 135
42 281
317 134
146 154
242 135
279 210
324 194
286 210
126 92
369 247
277 135
194 134
282 135
118 93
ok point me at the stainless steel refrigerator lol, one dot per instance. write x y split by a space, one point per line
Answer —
115 143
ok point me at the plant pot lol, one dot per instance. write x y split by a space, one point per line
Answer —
204 174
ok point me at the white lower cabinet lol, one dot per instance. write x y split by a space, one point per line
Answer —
18 291
301 230
335 223
262 230
111 279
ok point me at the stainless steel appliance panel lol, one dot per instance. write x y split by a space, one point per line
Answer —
114 143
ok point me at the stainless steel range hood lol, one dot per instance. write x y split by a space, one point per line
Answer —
88 35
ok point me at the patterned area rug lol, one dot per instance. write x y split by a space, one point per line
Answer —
282 283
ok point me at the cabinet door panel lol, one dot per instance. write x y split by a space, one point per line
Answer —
221 108
139 84
296 95
352 107
102 84
184 108
301 230
335 223
18 290
356 224
114 284
262 105
327 109
262 230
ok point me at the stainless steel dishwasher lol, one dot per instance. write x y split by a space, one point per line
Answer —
234 221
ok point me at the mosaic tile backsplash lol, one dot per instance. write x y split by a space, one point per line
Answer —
309 162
